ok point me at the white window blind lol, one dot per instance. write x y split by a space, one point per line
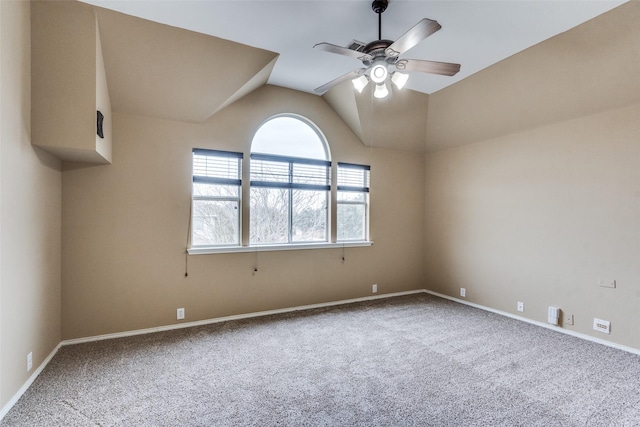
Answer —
352 177
216 197
217 167
289 199
353 202
290 172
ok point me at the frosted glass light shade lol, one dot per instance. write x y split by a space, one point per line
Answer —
360 83
381 91
399 79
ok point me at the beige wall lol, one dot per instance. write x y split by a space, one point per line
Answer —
588 69
69 82
30 206
543 200
125 227
540 216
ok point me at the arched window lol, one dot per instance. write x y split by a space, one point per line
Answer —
289 193
290 182
290 136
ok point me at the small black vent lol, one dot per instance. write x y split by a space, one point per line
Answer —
99 124
357 46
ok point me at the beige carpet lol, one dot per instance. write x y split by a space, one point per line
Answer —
408 361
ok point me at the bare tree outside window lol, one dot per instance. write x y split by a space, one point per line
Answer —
353 202
216 189
289 190
290 183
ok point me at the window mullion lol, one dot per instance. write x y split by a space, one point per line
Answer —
349 202
218 198
289 228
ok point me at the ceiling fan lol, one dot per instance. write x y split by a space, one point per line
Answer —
381 57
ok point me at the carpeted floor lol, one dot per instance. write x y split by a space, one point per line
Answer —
416 360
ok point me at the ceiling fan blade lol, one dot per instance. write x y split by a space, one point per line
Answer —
415 35
349 76
328 47
433 67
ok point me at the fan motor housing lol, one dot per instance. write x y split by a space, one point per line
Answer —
377 50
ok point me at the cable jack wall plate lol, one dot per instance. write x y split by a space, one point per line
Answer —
600 325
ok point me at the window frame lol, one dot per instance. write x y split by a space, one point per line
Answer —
364 189
215 180
332 189
291 185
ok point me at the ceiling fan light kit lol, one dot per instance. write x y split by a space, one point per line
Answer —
381 57
360 83
379 72
381 91
399 79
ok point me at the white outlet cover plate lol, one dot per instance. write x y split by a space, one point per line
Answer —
463 292
601 325
520 306
607 283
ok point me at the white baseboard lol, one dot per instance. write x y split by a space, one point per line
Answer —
28 383
234 317
538 323
37 372
40 368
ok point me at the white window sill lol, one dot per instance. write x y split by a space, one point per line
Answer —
269 248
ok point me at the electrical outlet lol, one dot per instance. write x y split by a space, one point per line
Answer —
568 319
180 313
601 325
463 292
520 306
29 361
374 288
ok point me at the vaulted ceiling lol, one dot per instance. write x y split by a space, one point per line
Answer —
187 60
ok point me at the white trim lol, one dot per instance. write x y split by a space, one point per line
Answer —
538 323
234 317
37 372
270 248
28 383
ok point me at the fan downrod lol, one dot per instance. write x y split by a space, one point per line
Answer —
378 7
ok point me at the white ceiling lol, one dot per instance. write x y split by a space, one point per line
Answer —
475 33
